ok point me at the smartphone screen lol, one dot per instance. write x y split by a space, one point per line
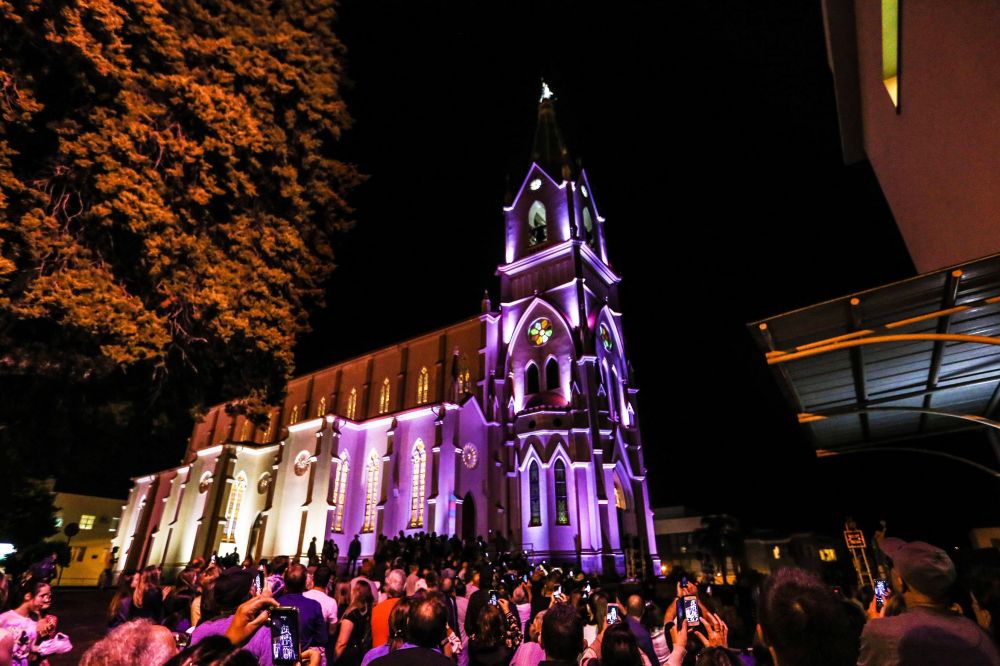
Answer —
525 578
493 598
691 613
558 591
613 616
285 635
880 588
259 581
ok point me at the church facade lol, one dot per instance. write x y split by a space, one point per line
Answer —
521 420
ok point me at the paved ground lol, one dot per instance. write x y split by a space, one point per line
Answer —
82 616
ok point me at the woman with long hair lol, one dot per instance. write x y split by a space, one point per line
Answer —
23 625
147 599
355 637
498 634
397 632
120 607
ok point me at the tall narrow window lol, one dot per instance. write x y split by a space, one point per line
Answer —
340 492
371 493
352 403
245 431
890 48
562 504
236 492
419 460
423 383
552 375
534 492
383 397
620 501
321 408
588 225
293 418
537 228
267 431
531 379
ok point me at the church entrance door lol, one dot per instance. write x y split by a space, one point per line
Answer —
468 517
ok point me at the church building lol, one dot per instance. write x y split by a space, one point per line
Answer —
521 419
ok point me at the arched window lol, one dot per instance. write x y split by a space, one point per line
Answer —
383 397
536 498
423 382
419 460
236 492
588 225
321 409
552 375
537 228
620 501
245 431
340 492
531 379
352 403
371 493
562 504
267 432
293 418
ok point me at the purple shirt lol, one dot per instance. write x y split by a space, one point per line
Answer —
312 624
259 646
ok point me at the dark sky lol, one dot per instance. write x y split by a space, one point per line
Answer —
708 131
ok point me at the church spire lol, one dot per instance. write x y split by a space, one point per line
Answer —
549 151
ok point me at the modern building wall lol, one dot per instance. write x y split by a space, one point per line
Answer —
98 519
936 154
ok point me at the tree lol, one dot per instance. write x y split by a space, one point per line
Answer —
718 538
169 201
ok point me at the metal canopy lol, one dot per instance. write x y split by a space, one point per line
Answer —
907 359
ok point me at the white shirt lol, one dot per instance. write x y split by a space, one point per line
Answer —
328 603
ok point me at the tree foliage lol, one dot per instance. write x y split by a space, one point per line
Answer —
169 199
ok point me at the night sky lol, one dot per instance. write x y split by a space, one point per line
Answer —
708 131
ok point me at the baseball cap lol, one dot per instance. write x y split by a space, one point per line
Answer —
925 568
232 587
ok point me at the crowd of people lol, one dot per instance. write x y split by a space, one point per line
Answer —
429 600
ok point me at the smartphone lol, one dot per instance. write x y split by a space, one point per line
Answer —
494 600
614 617
691 612
880 589
285 646
258 581
525 578
586 590
558 591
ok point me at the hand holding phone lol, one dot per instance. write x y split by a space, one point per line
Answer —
692 614
881 592
493 599
614 615
285 646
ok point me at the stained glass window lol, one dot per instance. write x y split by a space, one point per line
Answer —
562 504
620 502
340 492
352 403
419 459
540 331
371 493
245 431
236 492
383 398
321 409
294 417
605 335
536 498
423 383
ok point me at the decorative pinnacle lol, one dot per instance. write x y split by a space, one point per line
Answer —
546 92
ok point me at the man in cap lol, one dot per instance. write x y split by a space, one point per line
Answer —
231 589
927 631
